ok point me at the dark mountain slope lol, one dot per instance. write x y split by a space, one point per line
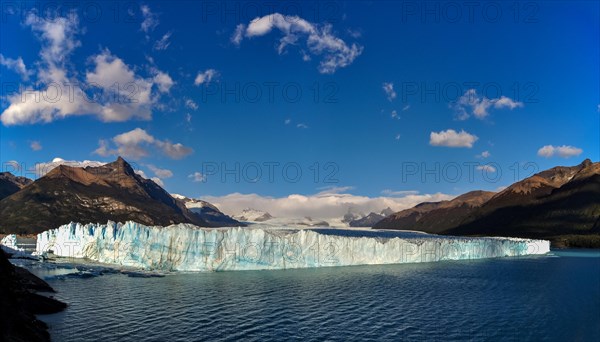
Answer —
91 194
9 184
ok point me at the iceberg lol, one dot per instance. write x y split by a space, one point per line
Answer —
185 247
9 245
10 241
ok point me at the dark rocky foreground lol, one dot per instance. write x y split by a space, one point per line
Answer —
20 302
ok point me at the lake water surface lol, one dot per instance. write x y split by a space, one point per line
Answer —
553 297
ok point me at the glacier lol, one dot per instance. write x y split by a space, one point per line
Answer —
9 245
185 247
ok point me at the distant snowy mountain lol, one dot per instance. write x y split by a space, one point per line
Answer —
371 219
258 216
206 211
253 215
351 215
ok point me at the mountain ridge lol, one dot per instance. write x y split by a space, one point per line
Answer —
112 191
561 204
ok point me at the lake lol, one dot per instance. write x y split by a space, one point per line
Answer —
552 297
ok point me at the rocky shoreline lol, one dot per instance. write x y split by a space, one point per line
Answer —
20 302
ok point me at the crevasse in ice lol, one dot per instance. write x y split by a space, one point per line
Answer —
185 247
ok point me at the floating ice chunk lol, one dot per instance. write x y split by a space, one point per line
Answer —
10 247
185 247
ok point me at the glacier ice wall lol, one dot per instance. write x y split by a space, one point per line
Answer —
185 247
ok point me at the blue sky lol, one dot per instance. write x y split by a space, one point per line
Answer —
368 93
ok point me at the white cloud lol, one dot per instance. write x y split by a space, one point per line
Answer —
470 103
16 65
563 151
397 136
206 76
321 205
486 168
43 168
319 39
141 173
450 138
484 154
334 190
395 115
150 19
136 144
58 39
505 102
388 88
388 192
163 43
35 145
191 104
288 121
197 177
238 35
163 81
302 125
161 173
158 181
59 93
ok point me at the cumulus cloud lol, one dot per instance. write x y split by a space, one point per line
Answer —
158 181
197 177
321 205
59 38
314 39
450 138
161 173
470 103
43 168
110 90
486 168
563 151
154 179
388 89
163 81
35 145
137 144
206 76
141 173
16 65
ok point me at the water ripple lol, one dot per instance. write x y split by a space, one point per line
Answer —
553 298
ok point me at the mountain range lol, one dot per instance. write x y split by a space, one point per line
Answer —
9 184
561 204
111 191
